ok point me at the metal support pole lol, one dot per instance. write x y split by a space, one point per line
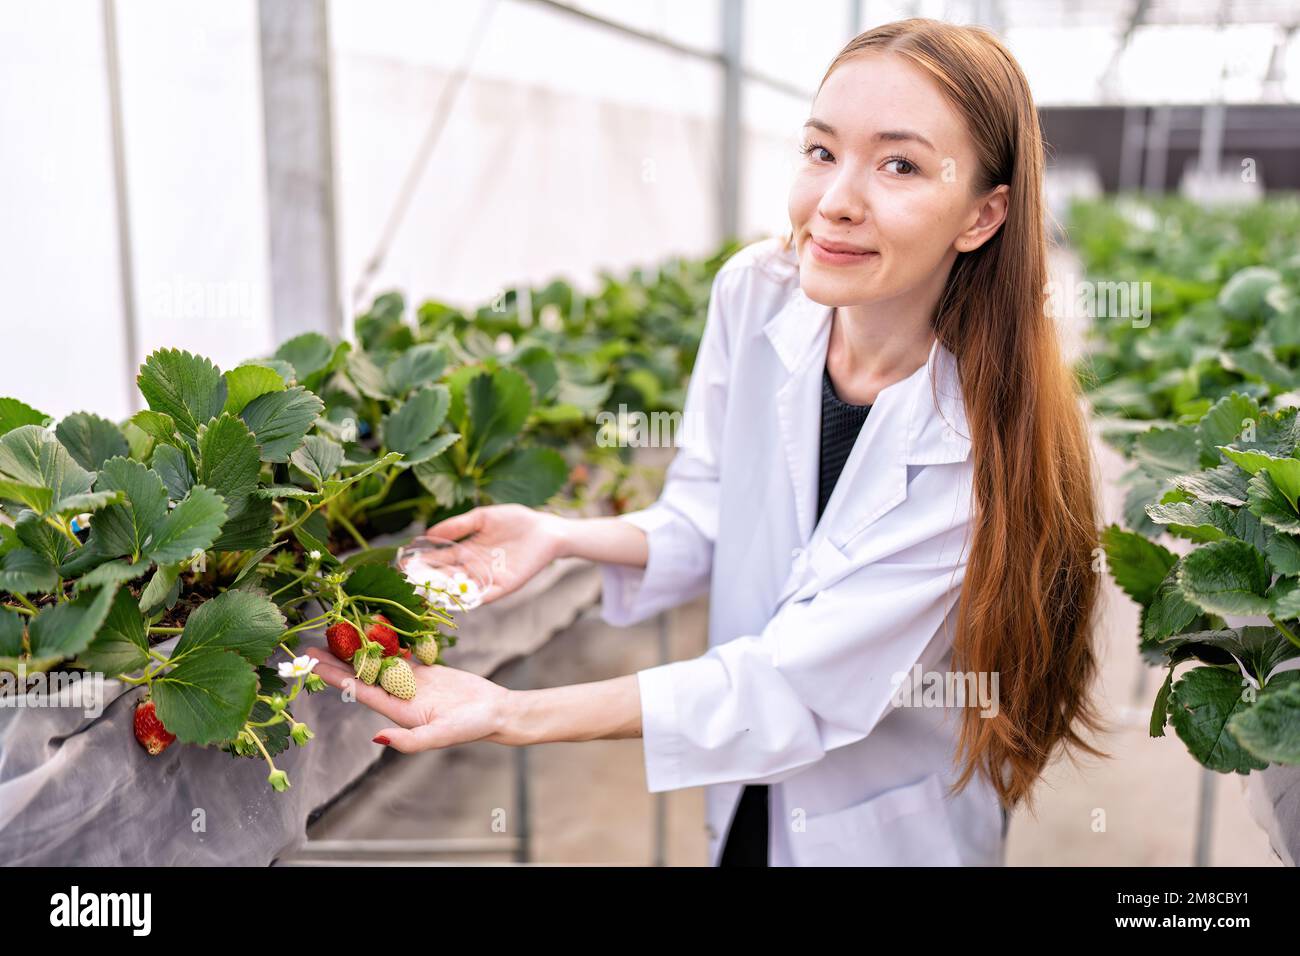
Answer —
122 203
732 54
1205 817
1157 153
297 116
661 798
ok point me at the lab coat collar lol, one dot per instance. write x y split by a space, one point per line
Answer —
904 427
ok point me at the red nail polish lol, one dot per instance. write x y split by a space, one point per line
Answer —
381 739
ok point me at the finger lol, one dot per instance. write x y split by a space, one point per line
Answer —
457 526
344 678
417 739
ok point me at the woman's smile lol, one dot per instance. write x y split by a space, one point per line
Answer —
838 253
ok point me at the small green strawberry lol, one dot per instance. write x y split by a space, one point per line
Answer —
426 650
366 664
396 677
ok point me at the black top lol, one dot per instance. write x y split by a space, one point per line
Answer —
841 422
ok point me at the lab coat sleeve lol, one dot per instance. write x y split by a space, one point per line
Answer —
681 526
822 673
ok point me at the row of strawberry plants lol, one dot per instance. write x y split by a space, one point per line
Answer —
1200 397
215 514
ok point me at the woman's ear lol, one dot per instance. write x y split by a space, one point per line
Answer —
990 215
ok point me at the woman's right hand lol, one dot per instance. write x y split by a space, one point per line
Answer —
518 541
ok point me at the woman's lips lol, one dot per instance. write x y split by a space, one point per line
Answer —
837 258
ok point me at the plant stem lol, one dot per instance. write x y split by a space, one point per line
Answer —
356 535
166 630
30 605
1290 635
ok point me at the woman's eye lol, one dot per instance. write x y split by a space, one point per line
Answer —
818 152
910 168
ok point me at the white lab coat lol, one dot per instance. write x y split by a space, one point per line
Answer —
807 627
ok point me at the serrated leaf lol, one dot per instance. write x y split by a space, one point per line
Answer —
191 527
247 382
124 529
15 414
1226 577
157 425
1137 564
416 367
121 645
206 698
11 632
173 468
1169 612
1225 484
307 353
66 629
280 420
24 571
228 457
30 457
88 502
241 621
1267 502
496 406
1270 730
526 476
155 593
319 458
91 440
383 581
1200 706
113 572
1226 420
187 387
411 426
250 524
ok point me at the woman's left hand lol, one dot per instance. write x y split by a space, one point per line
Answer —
450 707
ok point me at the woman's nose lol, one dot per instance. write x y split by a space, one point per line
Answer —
842 201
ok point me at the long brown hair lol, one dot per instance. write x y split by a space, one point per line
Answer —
1030 591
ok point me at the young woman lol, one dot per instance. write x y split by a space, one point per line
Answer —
885 477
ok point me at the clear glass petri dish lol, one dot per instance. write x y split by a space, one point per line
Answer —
453 575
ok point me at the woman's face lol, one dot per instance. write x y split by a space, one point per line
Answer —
885 182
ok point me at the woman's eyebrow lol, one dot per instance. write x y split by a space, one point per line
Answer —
889 135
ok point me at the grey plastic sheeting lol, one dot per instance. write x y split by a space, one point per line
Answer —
1273 797
79 790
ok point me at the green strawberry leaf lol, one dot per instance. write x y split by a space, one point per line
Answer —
206 698
280 420
1201 704
91 440
66 629
1270 730
247 382
1226 577
189 388
527 476
190 529
121 645
245 622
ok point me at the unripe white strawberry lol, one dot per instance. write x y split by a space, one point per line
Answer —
396 677
426 650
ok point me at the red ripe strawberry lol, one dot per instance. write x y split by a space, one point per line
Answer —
381 633
343 639
149 730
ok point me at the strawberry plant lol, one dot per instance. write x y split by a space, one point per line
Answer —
204 518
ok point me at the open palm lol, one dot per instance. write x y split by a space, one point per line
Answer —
518 542
450 707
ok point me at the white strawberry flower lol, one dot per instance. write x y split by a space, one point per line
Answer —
465 591
298 667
